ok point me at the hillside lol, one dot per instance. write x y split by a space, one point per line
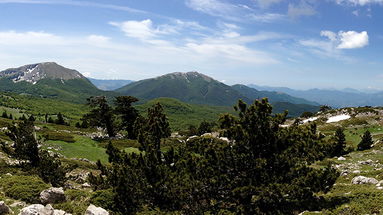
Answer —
49 80
190 87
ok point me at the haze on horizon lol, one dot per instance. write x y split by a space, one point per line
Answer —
298 44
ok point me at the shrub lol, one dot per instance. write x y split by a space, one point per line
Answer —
53 135
366 141
103 198
77 202
26 188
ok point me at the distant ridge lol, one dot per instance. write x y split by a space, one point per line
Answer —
109 84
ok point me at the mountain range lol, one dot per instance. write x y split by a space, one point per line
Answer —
54 81
336 98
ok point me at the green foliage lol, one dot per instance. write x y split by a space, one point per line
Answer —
340 143
366 142
127 113
103 198
60 119
25 143
77 202
101 114
307 114
61 136
50 169
265 172
25 188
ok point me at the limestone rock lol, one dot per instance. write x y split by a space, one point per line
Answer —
363 180
52 195
93 210
341 158
37 209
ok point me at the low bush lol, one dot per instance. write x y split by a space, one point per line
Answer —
77 202
53 135
25 188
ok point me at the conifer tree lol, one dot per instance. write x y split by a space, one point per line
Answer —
127 113
60 119
340 142
366 141
101 114
25 142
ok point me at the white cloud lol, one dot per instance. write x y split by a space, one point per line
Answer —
267 3
352 39
336 42
9 38
233 12
98 55
301 9
359 2
98 39
137 29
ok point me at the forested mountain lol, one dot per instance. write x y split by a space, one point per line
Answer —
191 87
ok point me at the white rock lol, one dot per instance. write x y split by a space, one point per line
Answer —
37 209
93 210
356 171
363 180
52 195
341 158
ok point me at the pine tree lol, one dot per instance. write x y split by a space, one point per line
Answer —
366 142
127 113
50 169
60 119
101 114
340 143
25 142
4 115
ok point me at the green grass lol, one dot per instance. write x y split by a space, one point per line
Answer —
83 147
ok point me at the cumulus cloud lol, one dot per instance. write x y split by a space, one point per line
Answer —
137 29
336 42
352 39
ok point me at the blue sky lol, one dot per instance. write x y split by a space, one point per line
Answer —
297 43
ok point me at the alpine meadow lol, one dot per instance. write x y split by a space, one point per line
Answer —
191 107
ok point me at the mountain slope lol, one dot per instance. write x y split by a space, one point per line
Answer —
109 84
49 80
273 96
190 87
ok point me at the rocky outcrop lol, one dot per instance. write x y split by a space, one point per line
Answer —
52 195
363 180
4 209
93 210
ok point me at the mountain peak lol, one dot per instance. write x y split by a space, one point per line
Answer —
188 76
32 73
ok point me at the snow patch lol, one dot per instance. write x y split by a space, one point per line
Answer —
338 118
310 119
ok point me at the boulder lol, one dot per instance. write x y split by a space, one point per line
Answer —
93 210
363 180
37 209
52 195
4 209
341 158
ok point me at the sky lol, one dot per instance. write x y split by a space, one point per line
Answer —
299 44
